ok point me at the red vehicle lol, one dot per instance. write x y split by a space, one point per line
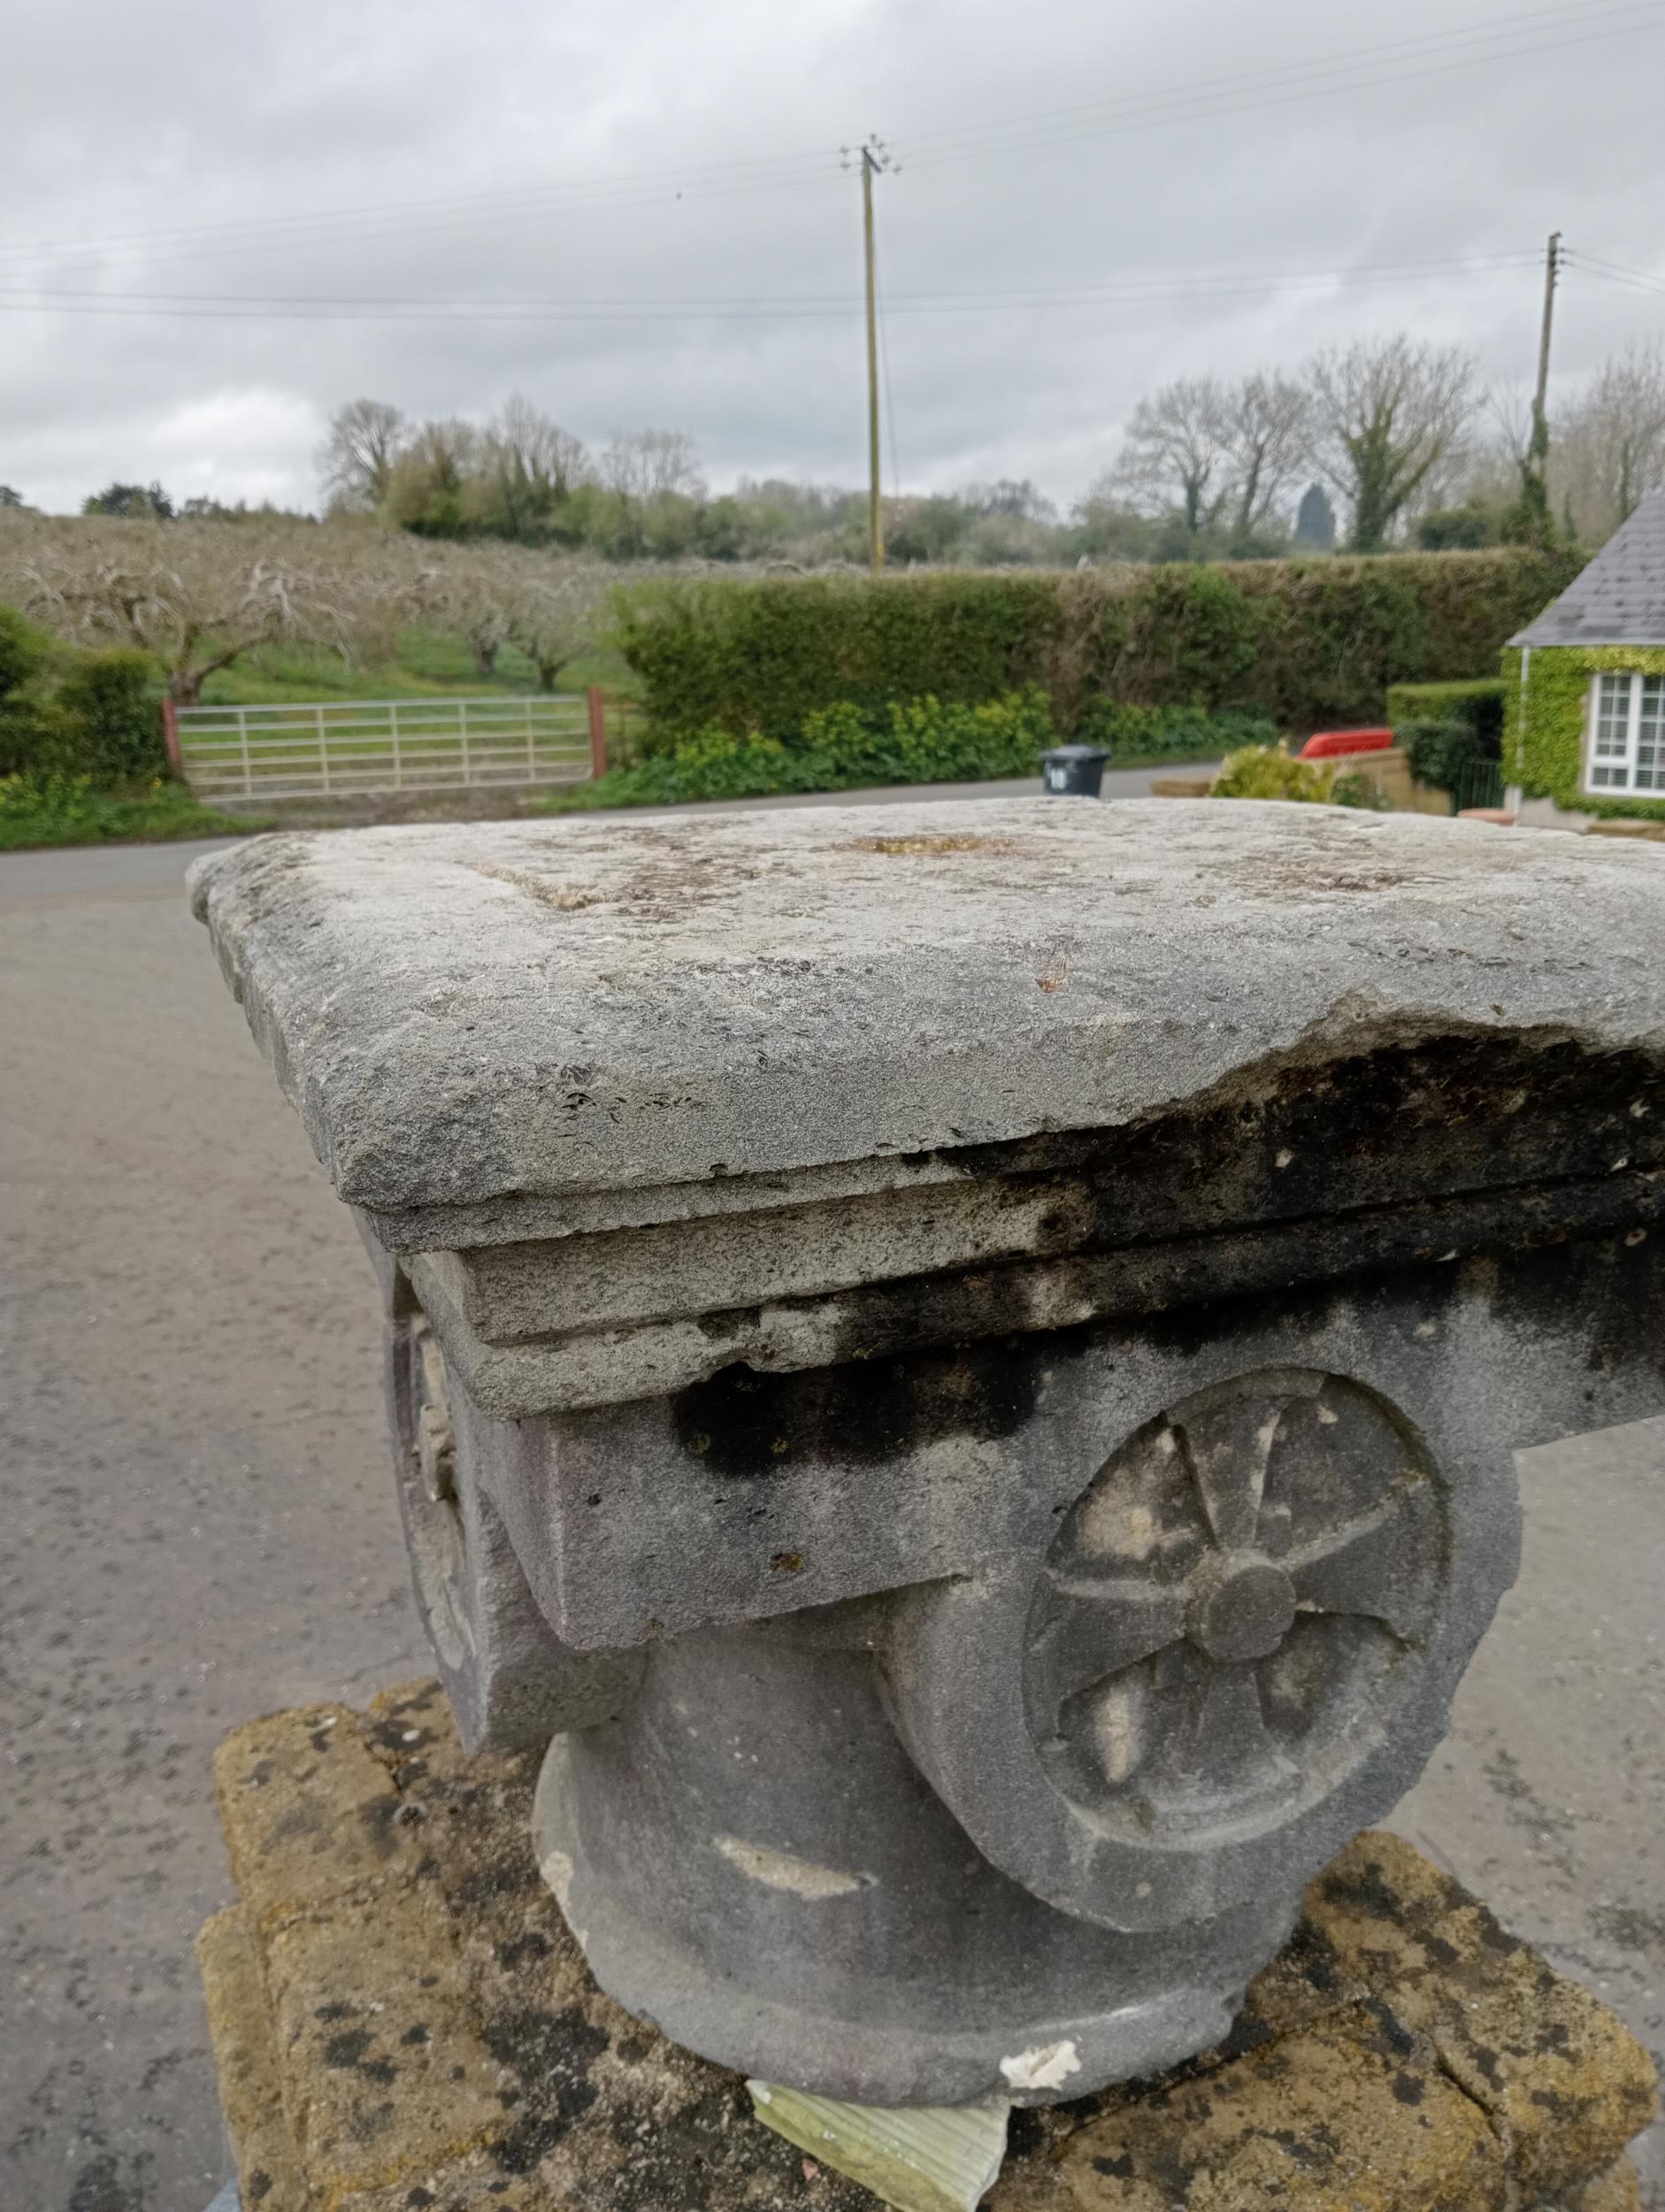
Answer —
1326 744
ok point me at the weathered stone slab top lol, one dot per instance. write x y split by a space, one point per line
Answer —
475 1016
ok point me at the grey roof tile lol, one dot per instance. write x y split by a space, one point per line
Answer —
1619 599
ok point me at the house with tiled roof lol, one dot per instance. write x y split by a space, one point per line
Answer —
1585 701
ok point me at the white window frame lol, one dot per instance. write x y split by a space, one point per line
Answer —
1624 736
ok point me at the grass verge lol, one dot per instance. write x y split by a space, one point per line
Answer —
51 810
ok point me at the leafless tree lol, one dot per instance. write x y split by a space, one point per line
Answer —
1607 448
1391 418
197 595
648 464
1174 453
528 465
1264 430
357 456
553 609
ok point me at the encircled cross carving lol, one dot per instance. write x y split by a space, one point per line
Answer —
1232 1611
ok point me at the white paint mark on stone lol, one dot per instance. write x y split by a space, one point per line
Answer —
1424 1328
557 1870
1283 1159
1328 1417
780 1870
1047 2067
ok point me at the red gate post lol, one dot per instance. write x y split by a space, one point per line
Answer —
598 731
171 737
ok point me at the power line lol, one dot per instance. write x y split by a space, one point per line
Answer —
1236 93
1237 80
1132 290
1007 143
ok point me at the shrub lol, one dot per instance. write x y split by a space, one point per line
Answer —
1157 733
1438 752
23 651
112 697
1302 643
38 736
47 807
1268 771
1478 702
842 748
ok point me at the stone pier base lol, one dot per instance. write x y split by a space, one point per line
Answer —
401 2022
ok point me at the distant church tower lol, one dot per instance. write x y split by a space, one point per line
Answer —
1315 521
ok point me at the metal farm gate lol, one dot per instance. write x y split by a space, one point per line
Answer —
353 748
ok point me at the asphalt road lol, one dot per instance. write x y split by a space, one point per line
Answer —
199 1528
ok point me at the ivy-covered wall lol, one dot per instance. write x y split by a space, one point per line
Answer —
1544 728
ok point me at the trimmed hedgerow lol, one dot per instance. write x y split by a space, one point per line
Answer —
1301 642
1544 731
842 748
1477 704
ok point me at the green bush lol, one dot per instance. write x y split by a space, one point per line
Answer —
112 696
1269 771
1302 643
1158 733
1438 752
38 736
23 652
1477 701
47 807
842 748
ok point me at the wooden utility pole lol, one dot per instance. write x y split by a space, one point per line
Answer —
1540 400
874 157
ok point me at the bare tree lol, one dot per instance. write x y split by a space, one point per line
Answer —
358 453
1174 453
528 466
553 609
1391 417
197 595
649 464
1264 429
1609 447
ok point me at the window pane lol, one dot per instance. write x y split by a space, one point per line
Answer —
1650 735
1610 743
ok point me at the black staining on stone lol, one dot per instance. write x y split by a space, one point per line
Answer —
416 2035
551 2055
1408 2088
346 2054
347 2049
337 2011
259 2185
1397 2037
745 1424
1314 1956
1615 1284
517 1950
1368 1889
1115 2168
419 2198
377 1817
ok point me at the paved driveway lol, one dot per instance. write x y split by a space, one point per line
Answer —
198 1528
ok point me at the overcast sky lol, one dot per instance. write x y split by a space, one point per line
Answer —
682 159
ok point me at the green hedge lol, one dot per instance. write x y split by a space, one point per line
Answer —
64 712
1135 736
842 748
1301 642
1477 702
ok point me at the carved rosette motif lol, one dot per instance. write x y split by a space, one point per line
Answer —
1235 1609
